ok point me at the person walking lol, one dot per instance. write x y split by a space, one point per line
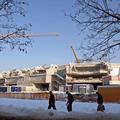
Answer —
70 100
51 101
100 106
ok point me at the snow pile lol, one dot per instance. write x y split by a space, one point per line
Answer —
37 109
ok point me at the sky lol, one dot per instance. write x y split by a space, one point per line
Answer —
46 16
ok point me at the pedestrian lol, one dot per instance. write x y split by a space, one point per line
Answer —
100 106
70 100
51 101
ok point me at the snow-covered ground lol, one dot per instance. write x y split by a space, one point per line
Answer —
37 109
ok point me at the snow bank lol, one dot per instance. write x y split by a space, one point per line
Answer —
37 109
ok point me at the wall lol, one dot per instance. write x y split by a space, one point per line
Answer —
25 95
34 96
45 95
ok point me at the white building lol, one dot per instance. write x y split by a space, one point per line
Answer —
114 74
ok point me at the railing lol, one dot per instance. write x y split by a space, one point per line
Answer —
84 81
87 72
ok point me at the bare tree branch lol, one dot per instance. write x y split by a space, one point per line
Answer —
100 20
9 10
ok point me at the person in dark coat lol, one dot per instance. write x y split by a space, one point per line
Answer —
100 106
99 98
51 101
70 100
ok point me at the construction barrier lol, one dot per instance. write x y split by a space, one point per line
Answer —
45 96
110 93
39 96
35 96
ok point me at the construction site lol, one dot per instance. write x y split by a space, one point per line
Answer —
56 77
80 77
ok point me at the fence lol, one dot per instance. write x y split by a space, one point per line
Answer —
45 96
110 93
41 95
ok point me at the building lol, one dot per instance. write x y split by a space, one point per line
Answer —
36 79
114 74
86 73
76 77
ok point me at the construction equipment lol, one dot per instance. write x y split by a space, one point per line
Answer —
28 35
77 59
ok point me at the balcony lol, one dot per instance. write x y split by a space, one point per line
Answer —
87 73
83 81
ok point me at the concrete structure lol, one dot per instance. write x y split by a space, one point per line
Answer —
36 79
77 77
86 73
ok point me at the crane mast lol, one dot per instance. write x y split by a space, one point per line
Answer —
77 60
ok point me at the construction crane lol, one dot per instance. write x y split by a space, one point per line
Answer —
77 59
28 35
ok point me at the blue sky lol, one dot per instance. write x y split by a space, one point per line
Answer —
46 16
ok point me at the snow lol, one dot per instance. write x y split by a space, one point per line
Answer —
37 109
